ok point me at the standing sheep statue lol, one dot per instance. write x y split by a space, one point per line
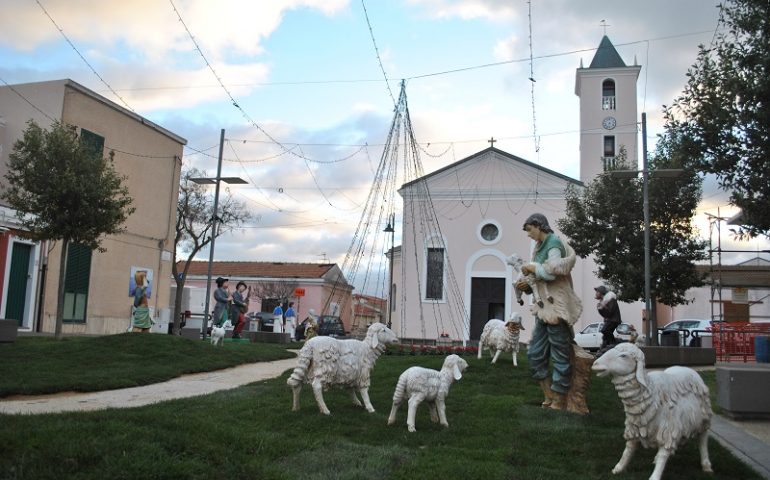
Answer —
663 409
501 336
420 384
326 361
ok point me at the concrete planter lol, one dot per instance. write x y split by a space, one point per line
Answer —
9 329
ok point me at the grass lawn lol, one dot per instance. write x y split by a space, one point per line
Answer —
497 430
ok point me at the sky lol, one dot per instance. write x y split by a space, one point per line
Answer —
310 75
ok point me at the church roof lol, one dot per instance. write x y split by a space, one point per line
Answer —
606 56
500 152
259 269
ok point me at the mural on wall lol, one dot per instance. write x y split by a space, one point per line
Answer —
132 280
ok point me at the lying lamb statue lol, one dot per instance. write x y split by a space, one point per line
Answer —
516 262
501 336
663 409
420 384
326 361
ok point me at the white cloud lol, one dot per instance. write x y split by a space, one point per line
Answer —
496 10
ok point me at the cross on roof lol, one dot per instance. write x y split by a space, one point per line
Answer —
492 141
604 25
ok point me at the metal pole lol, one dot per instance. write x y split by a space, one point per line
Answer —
213 234
651 318
392 254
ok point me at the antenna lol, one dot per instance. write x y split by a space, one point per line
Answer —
324 257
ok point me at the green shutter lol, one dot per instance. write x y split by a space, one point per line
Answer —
76 281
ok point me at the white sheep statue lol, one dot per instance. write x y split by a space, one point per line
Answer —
419 384
218 333
499 336
517 262
663 409
326 361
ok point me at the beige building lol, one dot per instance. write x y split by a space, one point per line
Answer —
97 284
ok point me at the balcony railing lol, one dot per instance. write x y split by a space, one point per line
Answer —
608 102
609 163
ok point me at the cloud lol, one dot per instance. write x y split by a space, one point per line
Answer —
152 27
496 10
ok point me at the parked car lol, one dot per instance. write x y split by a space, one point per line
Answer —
331 326
264 320
590 337
685 329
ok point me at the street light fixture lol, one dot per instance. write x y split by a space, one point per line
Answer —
652 339
214 181
390 228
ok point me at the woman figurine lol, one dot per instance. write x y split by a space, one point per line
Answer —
141 321
223 298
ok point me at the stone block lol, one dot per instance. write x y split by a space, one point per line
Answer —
659 357
269 337
191 333
9 330
743 391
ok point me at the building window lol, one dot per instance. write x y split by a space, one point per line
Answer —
608 94
76 280
489 232
434 281
609 146
94 143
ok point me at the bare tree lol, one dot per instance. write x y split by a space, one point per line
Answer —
194 215
280 290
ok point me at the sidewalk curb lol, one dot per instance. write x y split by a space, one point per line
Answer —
747 448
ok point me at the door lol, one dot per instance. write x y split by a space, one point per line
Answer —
18 282
487 301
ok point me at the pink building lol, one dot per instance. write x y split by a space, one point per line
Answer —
321 287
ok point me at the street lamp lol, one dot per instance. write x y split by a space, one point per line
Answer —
390 228
661 173
214 181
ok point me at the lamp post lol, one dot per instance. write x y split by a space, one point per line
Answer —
652 338
390 228
214 181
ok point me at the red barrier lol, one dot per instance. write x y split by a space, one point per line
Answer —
734 341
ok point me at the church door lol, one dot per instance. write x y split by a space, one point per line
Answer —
487 301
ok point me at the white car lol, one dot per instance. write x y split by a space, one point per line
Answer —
590 338
685 328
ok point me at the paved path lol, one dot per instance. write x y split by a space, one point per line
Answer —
182 387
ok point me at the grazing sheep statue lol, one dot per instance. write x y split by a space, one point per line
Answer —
325 361
663 409
501 336
420 384
517 262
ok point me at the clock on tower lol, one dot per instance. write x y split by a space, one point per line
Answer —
609 123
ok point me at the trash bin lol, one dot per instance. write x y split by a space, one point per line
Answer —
669 338
762 348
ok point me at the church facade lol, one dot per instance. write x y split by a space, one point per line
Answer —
461 222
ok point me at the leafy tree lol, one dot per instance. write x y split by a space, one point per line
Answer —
724 111
194 214
606 219
63 189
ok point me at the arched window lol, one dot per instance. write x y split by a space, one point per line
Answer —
608 94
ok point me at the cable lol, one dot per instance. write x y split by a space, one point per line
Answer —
82 57
377 52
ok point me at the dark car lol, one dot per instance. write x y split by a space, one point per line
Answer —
265 320
331 326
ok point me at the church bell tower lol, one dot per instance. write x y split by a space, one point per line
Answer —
608 113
